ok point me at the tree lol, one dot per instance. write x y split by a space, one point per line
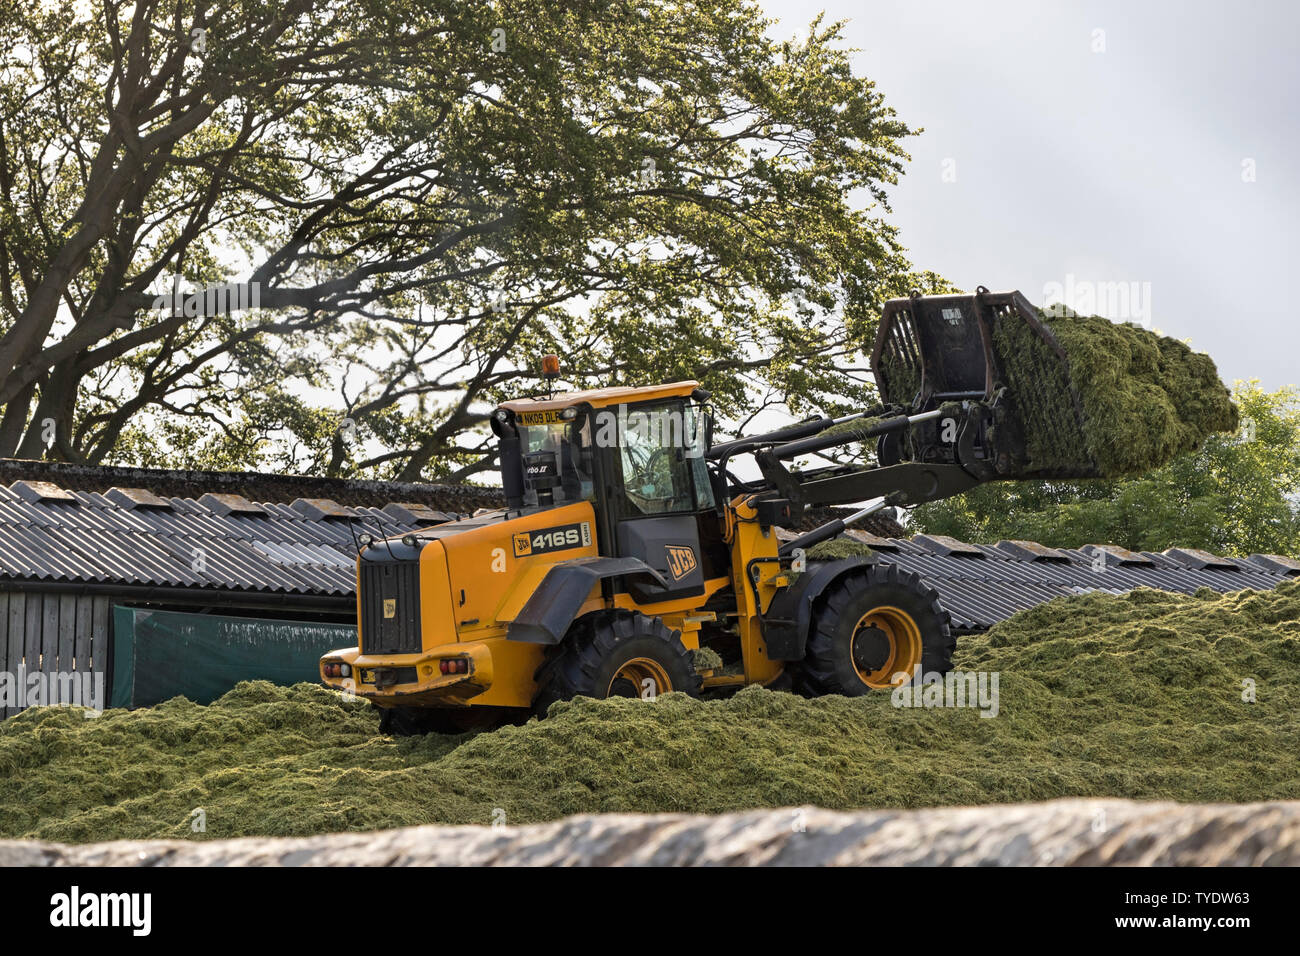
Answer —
421 196
1239 494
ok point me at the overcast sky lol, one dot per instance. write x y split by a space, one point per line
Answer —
1110 142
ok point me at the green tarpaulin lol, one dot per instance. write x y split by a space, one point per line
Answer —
158 655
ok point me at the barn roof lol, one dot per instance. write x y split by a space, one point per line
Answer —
205 530
981 584
270 534
256 486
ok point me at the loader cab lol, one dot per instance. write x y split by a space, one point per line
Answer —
638 456
547 455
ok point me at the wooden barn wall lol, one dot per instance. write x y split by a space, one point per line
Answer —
52 633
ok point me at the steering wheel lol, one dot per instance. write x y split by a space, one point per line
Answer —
645 476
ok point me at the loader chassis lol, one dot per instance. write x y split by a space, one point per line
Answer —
626 543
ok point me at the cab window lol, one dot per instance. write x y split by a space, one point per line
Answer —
660 459
559 457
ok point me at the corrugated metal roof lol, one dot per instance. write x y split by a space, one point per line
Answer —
88 537
307 547
255 486
980 589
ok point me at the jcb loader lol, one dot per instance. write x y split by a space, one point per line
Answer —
626 543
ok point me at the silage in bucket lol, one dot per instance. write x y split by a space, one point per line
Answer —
1080 396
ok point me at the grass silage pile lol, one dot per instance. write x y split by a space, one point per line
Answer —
1134 696
1144 398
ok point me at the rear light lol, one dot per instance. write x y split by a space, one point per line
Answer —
345 670
460 666
331 670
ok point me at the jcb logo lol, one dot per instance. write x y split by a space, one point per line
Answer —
681 560
523 544
390 607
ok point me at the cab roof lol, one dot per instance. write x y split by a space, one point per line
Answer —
603 397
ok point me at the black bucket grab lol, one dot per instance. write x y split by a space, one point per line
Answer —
992 352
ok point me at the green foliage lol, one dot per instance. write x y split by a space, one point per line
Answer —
654 191
1138 696
1237 495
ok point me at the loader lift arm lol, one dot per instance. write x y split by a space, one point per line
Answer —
947 422
783 494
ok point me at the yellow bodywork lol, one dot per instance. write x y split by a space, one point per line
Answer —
474 581
756 579
472 585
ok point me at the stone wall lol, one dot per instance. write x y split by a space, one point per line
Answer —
1059 833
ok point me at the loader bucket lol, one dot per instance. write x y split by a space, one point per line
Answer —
933 350
1063 397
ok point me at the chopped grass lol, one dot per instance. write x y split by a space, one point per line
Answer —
855 429
840 547
1130 696
1145 398
1142 398
903 380
706 659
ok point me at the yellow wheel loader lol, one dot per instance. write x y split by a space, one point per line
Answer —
626 544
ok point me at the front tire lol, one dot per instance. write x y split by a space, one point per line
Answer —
871 626
616 654
403 722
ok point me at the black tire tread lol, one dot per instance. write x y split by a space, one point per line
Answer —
571 666
817 673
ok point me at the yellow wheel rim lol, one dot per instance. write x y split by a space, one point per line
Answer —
885 630
637 672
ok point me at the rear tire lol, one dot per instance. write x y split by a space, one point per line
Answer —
616 654
870 626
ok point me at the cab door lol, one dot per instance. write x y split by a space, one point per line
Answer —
658 487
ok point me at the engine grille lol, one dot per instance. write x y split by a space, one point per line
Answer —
397 582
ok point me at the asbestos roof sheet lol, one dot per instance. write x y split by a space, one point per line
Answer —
307 547
88 537
981 584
